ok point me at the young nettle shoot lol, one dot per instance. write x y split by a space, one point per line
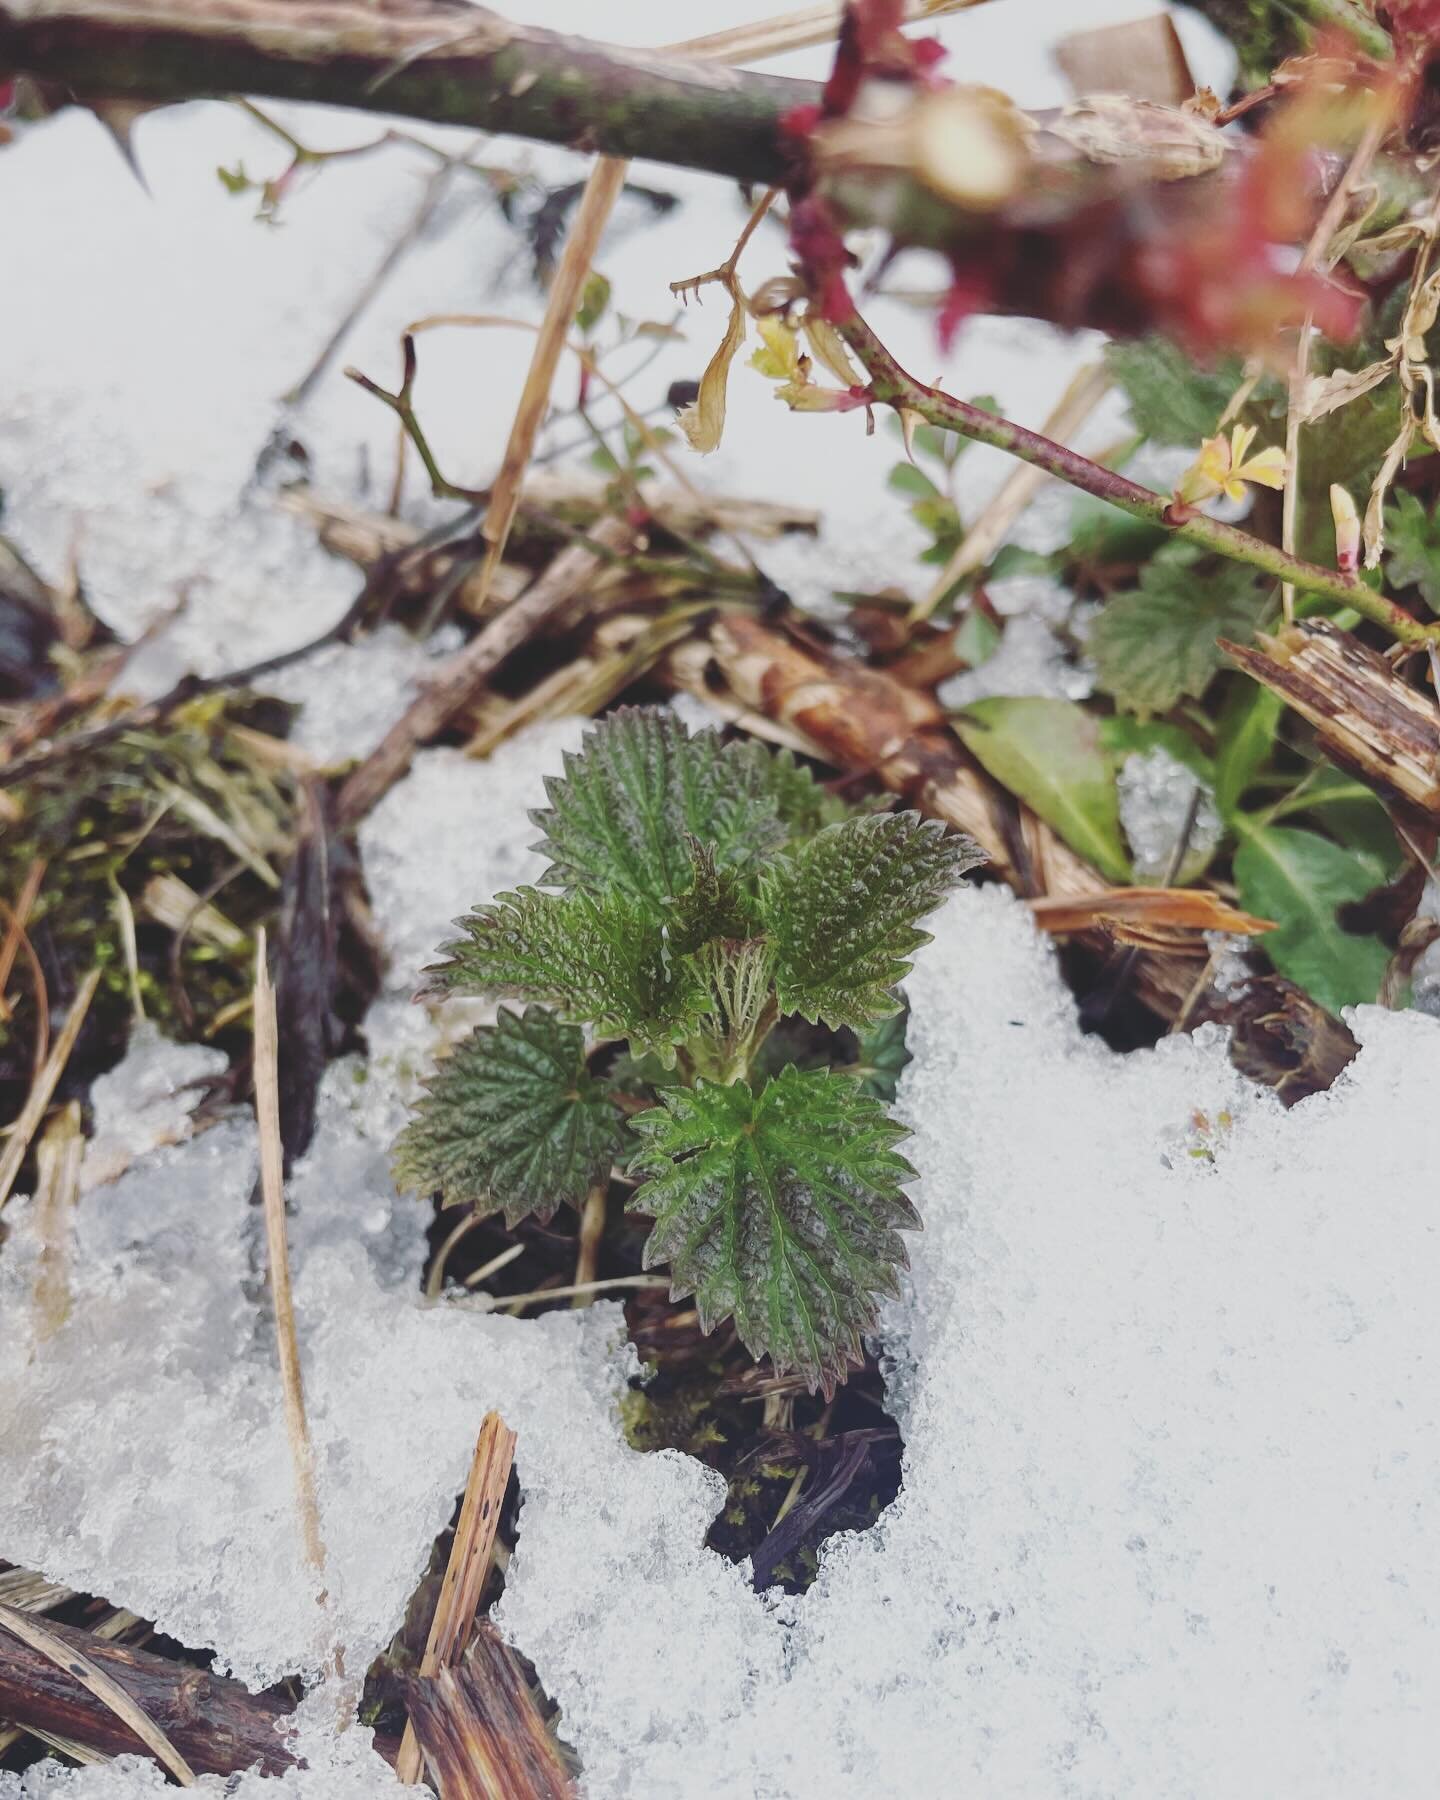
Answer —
698 894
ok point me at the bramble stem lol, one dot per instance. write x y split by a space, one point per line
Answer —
892 386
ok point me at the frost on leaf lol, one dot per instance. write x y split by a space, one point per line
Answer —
841 912
512 1120
601 962
621 815
783 1208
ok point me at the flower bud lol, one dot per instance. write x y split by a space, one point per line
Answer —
1347 530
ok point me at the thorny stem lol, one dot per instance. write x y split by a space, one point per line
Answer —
890 385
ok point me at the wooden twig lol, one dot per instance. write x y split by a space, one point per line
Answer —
466 1570
1367 720
217 1725
272 1187
101 1686
43 1087
587 1256
481 1732
458 678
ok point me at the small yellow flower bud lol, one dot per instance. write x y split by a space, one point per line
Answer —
1347 530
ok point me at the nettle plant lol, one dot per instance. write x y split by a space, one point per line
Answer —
701 899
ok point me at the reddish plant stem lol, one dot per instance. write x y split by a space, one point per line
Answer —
892 386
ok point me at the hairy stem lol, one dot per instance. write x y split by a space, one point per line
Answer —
891 385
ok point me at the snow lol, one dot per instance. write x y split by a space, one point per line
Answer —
1156 792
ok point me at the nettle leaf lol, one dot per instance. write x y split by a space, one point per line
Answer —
713 906
783 1208
1299 879
602 962
841 911
620 816
1413 537
512 1121
803 804
1160 642
1171 400
1048 753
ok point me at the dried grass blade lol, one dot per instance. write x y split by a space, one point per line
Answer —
272 1187
19 919
43 1087
61 1152
104 1688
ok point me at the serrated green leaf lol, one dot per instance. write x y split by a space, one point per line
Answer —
620 815
1413 536
511 1121
602 962
713 906
841 911
1159 642
803 804
1048 753
884 1055
1171 399
783 1208
1249 721
1299 879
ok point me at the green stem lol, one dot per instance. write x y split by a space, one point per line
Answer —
891 385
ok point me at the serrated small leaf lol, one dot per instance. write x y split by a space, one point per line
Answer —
1172 401
512 1121
783 1208
1299 879
803 804
713 906
1413 537
884 1055
620 816
841 911
1048 753
1159 642
601 962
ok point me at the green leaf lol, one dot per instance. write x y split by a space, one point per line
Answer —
620 816
1413 536
977 637
1125 736
803 804
713 906
1298 879
512 1120
906 479
594 298
1048 753
599 962
1248 724
841 911
1171 400
782 1207
883 1055
1159 642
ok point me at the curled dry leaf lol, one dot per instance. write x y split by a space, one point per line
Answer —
703 421
1133 913
1324 394
1116 128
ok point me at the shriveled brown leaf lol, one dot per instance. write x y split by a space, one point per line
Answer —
1184 909
703 421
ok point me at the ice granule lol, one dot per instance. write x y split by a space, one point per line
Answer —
351 694
1156 792
1029 661
146 1100
452 835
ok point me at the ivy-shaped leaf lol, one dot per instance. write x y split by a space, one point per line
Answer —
620 816
1048 753
1413 536
1171 400
512 1121
1159 642
783 1208
1300 879
601 962
841 911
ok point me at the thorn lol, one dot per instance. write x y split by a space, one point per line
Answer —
118 117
